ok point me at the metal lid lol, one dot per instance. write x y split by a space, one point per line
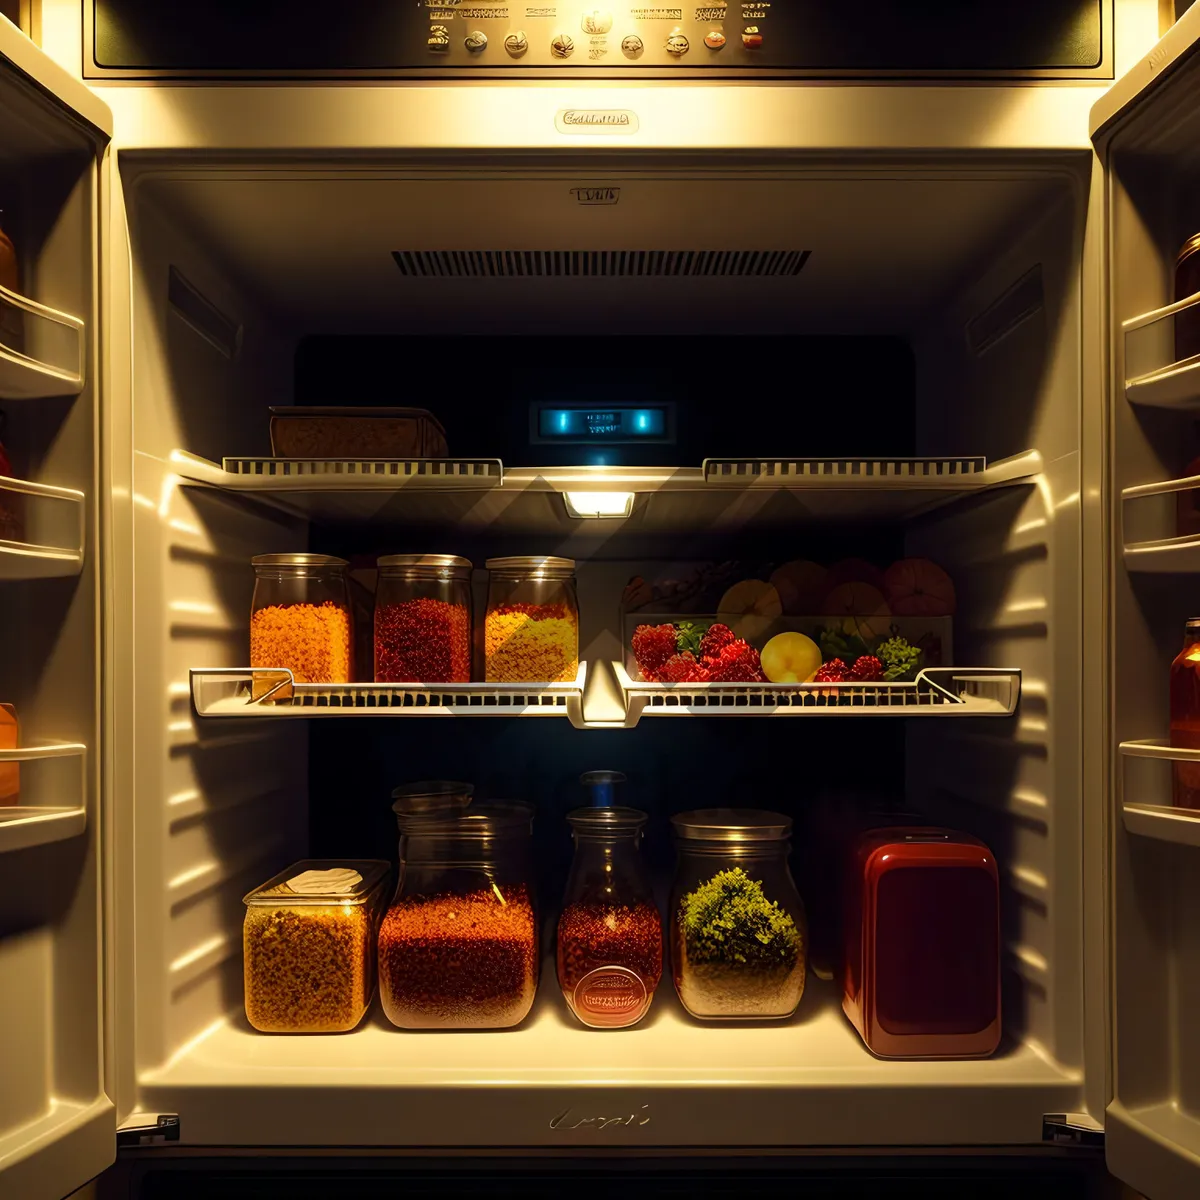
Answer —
276 891
1192 623
423 562
1190 247
431 795
297 560
477 823
532 565
735 825
601 822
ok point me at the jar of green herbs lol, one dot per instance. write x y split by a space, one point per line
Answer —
738 931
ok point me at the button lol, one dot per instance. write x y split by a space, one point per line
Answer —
632 46
677 44
562 46
597 21
439 39
714 39
751 38
476 41
516 44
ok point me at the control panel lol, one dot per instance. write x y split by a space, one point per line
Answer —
728 34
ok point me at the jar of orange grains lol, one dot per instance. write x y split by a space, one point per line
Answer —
300 619
531 631
423 619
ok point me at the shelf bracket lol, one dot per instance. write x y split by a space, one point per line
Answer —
153 1129
1072 1129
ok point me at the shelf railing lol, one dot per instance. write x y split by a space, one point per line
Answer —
1146 807
52 805
48 361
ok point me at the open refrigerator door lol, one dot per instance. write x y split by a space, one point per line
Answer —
57 1124
1147 132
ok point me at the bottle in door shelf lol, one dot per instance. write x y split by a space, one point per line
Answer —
10 772
12 504
12 319
1185 717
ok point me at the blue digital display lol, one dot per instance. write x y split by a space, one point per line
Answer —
602 424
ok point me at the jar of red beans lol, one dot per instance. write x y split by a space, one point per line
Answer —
610 942
531 632
423 619
458 948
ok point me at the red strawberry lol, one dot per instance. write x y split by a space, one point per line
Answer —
679 668
737 662
652 646
715 639
867 668
834 671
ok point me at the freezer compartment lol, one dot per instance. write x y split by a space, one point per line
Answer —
965 348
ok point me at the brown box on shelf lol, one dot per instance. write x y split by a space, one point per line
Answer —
310 432
10 772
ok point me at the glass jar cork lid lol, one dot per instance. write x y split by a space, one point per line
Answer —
321 881
533 566
606 822
731 825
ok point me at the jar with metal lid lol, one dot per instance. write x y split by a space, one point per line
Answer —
531 631
458 948
609 934
300 619
423 619
1187 283
738 930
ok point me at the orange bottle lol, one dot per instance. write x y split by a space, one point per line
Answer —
1185 717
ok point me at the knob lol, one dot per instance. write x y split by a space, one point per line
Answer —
516 44
562 46
677 44
439 39
476 41
632 46
714 39
751 38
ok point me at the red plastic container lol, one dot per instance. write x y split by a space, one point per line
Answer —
921 969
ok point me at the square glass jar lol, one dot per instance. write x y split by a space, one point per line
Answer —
308 941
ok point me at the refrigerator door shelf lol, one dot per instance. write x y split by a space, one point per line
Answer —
53 520
51 358
52 806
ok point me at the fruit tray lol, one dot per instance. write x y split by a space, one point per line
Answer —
924 642
936 692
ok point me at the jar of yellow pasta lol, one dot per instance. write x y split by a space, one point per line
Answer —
531 631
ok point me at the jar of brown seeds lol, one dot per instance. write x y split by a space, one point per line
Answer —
309 941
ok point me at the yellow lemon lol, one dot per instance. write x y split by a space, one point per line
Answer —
790 658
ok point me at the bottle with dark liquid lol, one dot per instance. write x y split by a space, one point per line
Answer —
1185 717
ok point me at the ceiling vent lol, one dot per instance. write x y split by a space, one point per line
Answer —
623 264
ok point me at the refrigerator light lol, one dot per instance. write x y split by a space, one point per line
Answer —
598 504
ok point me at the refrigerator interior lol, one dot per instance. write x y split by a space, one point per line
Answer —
940 312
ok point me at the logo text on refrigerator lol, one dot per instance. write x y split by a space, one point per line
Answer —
569 1119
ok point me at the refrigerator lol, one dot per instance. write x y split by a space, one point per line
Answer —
928 316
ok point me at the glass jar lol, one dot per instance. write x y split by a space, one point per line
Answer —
423 619
309 946
300 619
1187 283
738 930
1185 717
531 632
458 948
609 934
